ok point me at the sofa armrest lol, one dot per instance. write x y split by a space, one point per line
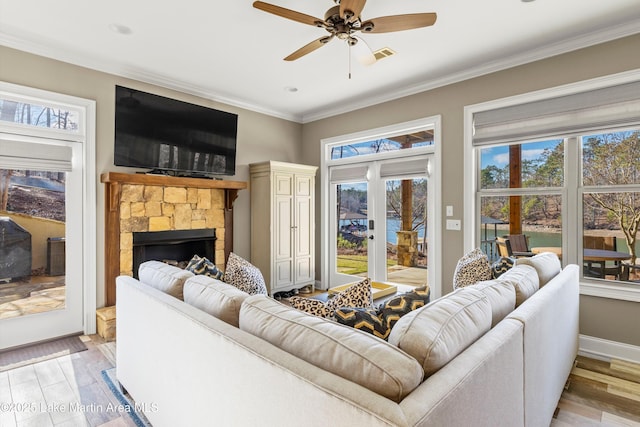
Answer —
482 386
550 319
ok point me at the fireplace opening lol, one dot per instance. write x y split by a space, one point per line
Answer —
177 246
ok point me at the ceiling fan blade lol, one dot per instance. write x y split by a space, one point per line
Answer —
308 48
387 24
351 7
287 13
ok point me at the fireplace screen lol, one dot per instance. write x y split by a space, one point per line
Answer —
175 246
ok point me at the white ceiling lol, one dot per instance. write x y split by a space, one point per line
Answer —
231 52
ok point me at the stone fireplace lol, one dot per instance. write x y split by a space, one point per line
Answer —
141 203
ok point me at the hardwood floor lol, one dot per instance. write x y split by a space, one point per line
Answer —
599 393
66 391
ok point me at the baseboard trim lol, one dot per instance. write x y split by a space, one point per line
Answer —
599 348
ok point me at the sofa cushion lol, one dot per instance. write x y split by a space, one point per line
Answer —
164 277
343 351
501 296
357 295
379 322
547 265
472 268
439 331
201 265
215 297
244 275
524 279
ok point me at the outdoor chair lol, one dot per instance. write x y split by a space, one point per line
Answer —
513 248
519 245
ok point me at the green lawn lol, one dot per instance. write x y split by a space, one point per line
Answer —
356 264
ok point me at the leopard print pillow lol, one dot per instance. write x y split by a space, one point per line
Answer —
357 295
472 268
244 275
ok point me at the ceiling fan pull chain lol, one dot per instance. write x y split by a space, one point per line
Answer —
349 52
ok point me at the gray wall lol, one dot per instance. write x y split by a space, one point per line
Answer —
600 317
260 137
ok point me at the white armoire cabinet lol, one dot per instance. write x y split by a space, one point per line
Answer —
282 224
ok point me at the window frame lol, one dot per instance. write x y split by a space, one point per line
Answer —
572 190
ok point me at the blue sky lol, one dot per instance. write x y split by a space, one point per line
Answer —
499 156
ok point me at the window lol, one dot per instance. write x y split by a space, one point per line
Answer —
521 193
564 171
35 114
418 139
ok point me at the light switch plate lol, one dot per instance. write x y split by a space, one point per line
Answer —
453 224
449 210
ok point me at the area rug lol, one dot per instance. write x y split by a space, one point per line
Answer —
24 356
128 405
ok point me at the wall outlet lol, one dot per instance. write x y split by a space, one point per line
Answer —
453 224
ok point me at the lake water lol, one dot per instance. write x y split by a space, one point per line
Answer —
536 238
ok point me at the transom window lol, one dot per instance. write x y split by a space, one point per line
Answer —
412 140
34 114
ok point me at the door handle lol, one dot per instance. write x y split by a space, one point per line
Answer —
371 237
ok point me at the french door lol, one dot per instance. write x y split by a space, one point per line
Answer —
42 260
380 217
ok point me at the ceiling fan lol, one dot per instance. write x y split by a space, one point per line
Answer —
343 21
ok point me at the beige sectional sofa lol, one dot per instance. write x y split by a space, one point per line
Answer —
469 358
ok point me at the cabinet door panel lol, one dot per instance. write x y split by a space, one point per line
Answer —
283 224
304 270
303 186
283 275
283 184
304 237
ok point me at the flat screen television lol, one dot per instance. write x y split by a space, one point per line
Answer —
173 137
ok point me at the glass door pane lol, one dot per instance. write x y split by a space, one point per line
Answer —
32 242
352 242
406 237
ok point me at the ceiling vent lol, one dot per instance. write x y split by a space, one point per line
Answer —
383 53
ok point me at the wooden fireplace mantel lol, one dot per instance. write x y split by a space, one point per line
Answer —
114 182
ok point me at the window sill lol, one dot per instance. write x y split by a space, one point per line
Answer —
611 290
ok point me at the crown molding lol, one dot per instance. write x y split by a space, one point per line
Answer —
39 47
565 46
